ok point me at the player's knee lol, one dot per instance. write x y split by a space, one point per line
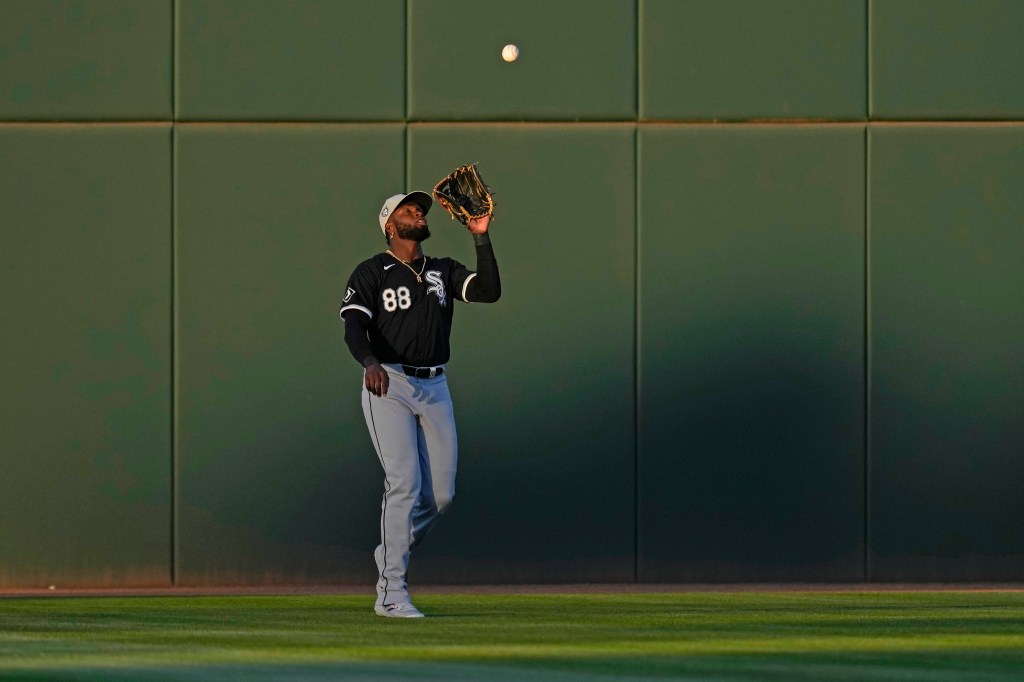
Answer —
442 501
402 490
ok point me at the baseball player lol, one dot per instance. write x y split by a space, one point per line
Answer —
398 318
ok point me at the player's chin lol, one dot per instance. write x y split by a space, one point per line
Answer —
419 234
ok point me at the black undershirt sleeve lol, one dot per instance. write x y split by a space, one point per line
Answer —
357 324
486 286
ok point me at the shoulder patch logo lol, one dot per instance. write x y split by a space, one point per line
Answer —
436 286
349 293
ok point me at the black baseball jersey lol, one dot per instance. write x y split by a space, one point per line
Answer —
410 320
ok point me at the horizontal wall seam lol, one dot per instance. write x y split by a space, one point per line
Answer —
765 122
70 124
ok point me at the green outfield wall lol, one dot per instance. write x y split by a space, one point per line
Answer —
761 262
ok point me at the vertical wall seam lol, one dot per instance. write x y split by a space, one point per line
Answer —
636 298
636 353
174 61
636 65
408 67
407 170
867 353
174 353
867 295
173 297
867 57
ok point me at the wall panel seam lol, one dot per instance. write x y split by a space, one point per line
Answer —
407 93
867 59
961 122
173 358
175 69
636 296
637 71
636 354
175 65
947 123
867 354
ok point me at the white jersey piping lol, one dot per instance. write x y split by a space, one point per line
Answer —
341 313
465 287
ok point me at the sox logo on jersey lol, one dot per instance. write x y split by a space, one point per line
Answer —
434 277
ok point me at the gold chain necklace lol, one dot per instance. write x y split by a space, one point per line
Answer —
419 274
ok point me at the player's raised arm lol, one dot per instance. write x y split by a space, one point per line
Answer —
485 286
465 195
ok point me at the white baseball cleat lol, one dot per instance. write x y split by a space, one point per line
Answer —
402 609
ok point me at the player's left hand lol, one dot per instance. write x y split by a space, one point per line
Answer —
479 225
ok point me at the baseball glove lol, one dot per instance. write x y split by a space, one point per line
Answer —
464 195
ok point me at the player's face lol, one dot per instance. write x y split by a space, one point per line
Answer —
410 222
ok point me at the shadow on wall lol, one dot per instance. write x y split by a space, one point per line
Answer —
752 456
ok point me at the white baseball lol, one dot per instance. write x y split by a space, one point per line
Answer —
510 53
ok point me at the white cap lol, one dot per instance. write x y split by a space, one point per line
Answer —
421 198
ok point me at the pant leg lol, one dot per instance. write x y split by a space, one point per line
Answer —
438 454
393 430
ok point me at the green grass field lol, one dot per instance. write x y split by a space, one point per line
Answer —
703 635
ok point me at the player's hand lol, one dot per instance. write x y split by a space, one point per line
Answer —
376 378
479 225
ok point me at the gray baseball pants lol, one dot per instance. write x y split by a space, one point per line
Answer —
413 431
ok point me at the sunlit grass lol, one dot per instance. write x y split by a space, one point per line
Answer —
736 635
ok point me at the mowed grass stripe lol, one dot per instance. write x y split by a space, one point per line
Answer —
926 635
